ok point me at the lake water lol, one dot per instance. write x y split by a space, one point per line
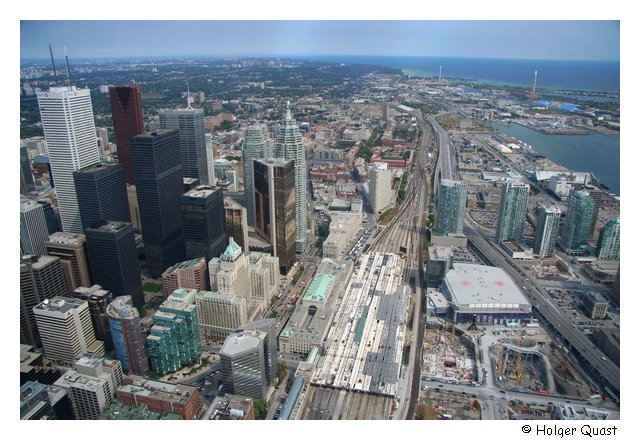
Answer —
597 76
596 153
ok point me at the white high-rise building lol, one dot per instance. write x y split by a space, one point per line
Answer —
256 145
92 385
66 330
33 228
70 132
546 230
380 187
289 146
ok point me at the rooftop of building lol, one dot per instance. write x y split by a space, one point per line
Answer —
237 343
189 264
97 167
218 296
440 253
119 411
175 393
67 238
319 288
28 356
229 407
201 192
122 307
574 412
110 226
475 285
60 304
94 292
38 261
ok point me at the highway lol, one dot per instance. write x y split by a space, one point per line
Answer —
599 365
446 164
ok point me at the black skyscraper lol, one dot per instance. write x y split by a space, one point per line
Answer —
204 222
113 259
157 169
101 193
53 223
25 171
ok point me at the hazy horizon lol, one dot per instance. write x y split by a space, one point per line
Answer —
554 40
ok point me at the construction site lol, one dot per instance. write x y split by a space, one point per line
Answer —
567 380
436 404
522 367
448 358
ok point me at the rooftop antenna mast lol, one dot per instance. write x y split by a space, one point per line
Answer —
66 58
53 63
288 118
535 80
188 97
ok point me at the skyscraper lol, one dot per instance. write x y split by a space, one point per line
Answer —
256 145
575 231
546 230
230 272
66 331
289 146
243 364
609 241
50 217
268 326
203 222
72 250
67 120
193 150
41 277
274 182
25 171
174 339
236 222
127 335
380 193
101 193
126 109
513 211
452 200
33 228
159 186
98 300
113 259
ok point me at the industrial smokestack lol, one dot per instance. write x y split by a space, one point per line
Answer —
535 80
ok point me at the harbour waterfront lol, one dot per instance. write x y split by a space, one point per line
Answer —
596 153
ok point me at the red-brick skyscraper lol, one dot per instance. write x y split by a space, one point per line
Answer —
126 108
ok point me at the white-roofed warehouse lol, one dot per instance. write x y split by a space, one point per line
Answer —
487 292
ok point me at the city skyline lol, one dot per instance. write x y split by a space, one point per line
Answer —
508 39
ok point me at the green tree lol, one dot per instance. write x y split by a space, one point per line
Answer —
260 408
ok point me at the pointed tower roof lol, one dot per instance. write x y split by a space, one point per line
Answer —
232 252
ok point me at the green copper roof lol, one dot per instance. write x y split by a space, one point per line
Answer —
319 288
232 251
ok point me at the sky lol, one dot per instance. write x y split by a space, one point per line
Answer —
560 40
